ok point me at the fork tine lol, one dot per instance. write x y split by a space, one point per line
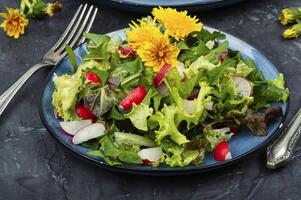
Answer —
73 30
79 32
68 28
82 40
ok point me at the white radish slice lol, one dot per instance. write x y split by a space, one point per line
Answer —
188 106
150 154
181 69
210 44
209 106
243 86
228 156
73 127
89 132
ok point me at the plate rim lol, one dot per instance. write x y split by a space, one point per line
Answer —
168 171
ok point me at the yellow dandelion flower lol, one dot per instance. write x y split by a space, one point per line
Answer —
292 32
14 23
53 8
289 15
178 24
146 30
157 52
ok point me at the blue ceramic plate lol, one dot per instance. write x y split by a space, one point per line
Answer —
147 5
241 145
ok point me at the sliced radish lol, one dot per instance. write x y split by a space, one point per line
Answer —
135 96
233 130
222 151
209 106
188 106
91 77
73 127
210 44
89 132
243 86
194 94
57 115
161 74
84 112
181 69
150 155
221 58
125 51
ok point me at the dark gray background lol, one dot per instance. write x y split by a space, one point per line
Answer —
35 166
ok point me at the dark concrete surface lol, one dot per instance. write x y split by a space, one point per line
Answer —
34 166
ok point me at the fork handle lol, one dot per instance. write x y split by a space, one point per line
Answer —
7 96
281 151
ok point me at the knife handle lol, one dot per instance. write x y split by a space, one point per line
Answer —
281 151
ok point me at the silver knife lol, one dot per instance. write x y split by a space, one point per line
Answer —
281 151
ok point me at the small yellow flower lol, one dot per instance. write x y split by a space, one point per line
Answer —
53 8
157 52
292 32
178 24
146 30
289 15
14 23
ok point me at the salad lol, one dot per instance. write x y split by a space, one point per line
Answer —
169 93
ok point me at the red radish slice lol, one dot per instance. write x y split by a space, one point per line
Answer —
125 51
150 155
91 77
89 132
233 130
222 57
194 94
57 115
145 161
222 151
84 112
135 96
73 127
243 86
161 74
188 106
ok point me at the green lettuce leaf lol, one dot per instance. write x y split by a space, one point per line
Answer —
72 57
268 91
194 52
198 104
64 97
185 87
215 74
169 118
139 115
95 40
114 43
122 152
179 155
115 114
133 139
243 69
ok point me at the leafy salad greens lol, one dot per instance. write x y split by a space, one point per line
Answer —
173 115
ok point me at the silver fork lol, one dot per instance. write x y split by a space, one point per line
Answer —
72 36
